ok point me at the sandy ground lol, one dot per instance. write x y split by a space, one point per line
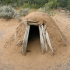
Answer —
11 57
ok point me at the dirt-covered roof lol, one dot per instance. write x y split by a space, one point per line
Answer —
40 18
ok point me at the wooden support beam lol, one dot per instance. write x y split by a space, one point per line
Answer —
30 21
42 38
48 41
44 34
25 39
35 24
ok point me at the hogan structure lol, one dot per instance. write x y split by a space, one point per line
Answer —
49 32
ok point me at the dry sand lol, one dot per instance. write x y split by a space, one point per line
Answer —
11 57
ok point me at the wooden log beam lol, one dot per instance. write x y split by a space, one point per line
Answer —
35 24
31 21
25 39
41 38
44 34
48 41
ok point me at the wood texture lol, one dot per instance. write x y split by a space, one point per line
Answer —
45 41
41 38
48 41
25 40
35 24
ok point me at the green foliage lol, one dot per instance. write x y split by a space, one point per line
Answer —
68 4
29 5
37 3
52 4
8 12
63 3
25 5
24 12
33 6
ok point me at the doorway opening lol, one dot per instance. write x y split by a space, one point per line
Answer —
34 39
33 33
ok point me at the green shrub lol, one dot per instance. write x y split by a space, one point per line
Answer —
24 12
9 12
33 6
62 3
68 5
51 4
25 5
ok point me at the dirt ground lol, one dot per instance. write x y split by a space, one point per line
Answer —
11 57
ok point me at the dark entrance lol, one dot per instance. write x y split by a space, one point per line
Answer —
33 39
33 33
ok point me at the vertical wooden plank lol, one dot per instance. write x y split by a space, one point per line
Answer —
41 38
48 41
44 34
25 39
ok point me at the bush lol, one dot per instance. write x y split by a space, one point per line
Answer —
68 5
25 5
33 6
51 4
62 3
24 12
8 12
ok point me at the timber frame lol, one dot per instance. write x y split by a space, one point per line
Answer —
45 24
44 38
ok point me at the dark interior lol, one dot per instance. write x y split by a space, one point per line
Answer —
33 33
33 39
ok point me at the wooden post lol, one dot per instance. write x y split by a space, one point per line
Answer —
44 34
41 38
48 41
25 39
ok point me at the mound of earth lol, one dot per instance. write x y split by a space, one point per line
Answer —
41 18
11 57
